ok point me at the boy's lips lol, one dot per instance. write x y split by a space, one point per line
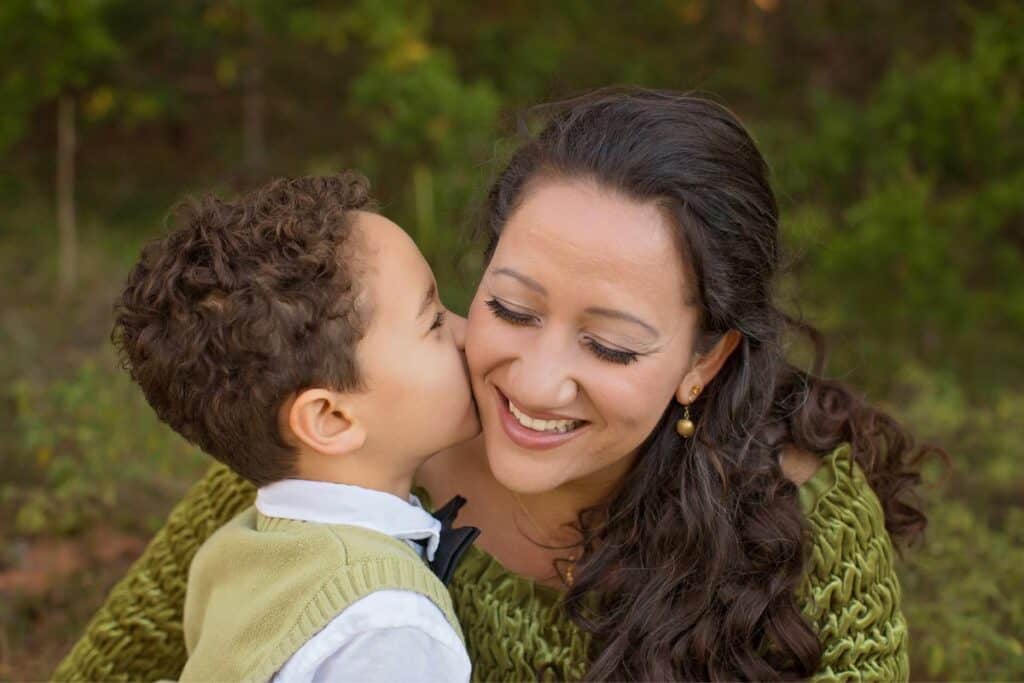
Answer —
532 439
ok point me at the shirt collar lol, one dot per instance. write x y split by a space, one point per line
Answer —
330 503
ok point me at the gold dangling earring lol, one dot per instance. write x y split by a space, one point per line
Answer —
685 427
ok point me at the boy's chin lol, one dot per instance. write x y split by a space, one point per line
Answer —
467 433
470 428
470 432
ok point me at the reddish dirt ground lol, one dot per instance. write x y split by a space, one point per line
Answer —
49 588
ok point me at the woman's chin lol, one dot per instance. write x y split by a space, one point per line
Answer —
522 474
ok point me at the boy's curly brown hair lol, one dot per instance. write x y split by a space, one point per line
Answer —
245 303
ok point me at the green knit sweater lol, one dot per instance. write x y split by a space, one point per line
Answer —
514 628
261 587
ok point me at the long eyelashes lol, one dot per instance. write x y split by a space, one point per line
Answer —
438 320
603 352
508 315
611 355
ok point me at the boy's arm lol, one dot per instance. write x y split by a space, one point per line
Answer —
389 635
137 635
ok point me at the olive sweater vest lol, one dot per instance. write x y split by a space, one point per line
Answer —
261 587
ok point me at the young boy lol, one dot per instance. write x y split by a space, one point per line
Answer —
298 338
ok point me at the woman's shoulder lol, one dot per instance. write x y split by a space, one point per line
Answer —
799 465
850 590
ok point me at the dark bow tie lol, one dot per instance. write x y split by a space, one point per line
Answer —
454 541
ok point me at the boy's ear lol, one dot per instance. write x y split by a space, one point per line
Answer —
323 421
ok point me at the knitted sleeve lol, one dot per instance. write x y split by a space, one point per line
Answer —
137 634
851 593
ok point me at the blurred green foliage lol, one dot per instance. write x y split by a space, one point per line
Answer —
893 130
915 196
65 44
961 587
85 437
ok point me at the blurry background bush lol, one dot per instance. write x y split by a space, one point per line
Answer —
895 135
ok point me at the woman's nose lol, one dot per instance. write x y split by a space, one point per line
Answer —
541 379
458 327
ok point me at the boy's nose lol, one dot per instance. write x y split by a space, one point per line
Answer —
458 324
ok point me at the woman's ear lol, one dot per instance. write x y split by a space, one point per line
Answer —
322 421
706 367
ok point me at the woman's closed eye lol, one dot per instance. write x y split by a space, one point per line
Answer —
502 312
603 352
611 355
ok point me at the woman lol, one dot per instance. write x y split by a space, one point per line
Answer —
662 496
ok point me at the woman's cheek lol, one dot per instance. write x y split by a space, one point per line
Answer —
478 348
477 336
489 342
637 399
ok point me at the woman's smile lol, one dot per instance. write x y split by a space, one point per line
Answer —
534 432
540 424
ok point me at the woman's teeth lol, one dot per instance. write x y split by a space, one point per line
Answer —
558 426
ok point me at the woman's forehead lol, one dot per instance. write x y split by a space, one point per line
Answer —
578 230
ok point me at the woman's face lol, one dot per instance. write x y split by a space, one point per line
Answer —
579 336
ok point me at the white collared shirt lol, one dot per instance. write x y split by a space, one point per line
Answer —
389 635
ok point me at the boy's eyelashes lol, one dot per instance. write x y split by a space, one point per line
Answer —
438 320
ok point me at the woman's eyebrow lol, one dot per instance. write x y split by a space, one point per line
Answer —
622 315
527 281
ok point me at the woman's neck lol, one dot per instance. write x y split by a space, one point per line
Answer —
555 512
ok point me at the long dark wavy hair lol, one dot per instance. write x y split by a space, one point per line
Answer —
712 519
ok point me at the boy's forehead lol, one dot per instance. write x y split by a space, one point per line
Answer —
394 262
387 243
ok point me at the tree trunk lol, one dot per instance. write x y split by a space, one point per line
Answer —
254 153
254 139
67 242
254 142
